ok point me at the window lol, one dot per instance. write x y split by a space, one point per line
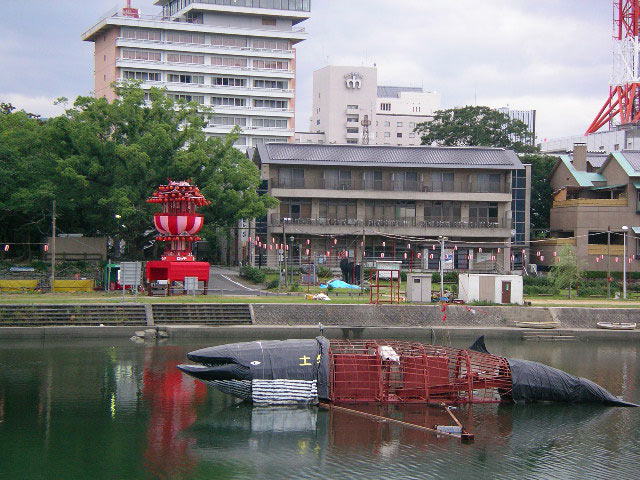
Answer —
177 37
352 129
489 182
372 180
387 124
338 210
482 213
269 21
406 212
352 107
439 211
185 58
295 208
271 64
352 119
405 181
228 82
141 55
399 135
185 78
144 76
387 134
229 41
186 98
229 62
270 44
399 124
352 141
412 135
141 34
274 84
318 122
412 124
379 210
291 178
219 121
442 182
270 122
337 179
279 104
385 107
228 101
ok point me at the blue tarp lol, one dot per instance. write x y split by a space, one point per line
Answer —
340 284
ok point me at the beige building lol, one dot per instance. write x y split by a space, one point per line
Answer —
345 97
236 57
397 203
595 196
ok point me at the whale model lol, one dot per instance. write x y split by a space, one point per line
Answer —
320 370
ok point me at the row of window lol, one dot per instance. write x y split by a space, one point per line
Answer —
226 121
175 6
200 80
296 208
199 39
192 59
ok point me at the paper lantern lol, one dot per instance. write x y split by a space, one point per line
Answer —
382 255
408 245
307 251
384 244
405 255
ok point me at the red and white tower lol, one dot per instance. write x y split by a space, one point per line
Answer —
623 105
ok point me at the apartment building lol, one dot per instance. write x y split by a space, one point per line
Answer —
235 56
350 107
528 117
372 202
596 195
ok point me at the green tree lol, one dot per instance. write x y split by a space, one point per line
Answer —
475 126
541 191
102 160
565 273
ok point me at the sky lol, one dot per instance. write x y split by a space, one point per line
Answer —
548 55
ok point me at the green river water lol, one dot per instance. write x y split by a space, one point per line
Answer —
97 409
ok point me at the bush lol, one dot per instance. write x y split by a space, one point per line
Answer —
536 281
541 290
323 272
403 275
252 274
589 291
330 288
451 277
39 265
294 287
435 277
273 284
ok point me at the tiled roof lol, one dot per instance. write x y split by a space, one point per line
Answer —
382 156
633 157
596 160
584 179
393 92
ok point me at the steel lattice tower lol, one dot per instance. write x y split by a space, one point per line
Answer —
624 90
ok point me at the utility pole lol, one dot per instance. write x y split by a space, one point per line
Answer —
53 247
364 249
608 261
284 249
442 266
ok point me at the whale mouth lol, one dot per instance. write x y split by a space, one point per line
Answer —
227 371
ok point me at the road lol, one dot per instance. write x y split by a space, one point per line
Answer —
224 281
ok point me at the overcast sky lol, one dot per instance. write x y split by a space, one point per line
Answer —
548 55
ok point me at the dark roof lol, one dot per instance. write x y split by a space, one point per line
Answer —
596 160
633 157
387 156
393 92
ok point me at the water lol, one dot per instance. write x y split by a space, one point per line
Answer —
99 409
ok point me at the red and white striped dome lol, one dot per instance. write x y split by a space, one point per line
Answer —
189 223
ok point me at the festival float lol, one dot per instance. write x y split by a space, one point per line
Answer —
178 223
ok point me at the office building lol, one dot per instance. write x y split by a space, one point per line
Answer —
235 56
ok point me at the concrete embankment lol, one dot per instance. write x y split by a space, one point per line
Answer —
302 321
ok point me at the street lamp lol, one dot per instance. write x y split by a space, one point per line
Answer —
291 238
442 239
624 262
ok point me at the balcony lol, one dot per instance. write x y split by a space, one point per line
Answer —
389 185
591 202
597 249
276 220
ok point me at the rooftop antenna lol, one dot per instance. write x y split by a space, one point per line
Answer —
128 11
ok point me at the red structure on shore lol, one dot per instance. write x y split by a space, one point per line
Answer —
178 224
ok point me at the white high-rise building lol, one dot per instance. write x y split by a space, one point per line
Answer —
235 56
344 96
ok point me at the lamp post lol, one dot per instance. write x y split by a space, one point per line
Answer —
624 262
291 239
442 239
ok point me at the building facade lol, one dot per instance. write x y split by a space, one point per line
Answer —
396 203
595 196
349 107
620 138
528 117
237 58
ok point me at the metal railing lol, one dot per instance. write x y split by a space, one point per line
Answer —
389 185
276 220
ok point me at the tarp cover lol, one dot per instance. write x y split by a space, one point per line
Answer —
533 381
274 359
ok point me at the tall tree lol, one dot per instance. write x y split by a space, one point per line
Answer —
475 126
541 191
565 273
101 160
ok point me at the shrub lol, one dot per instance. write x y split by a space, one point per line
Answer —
294 287
435 277
273 284
536 281
450 277
541 290
39 265
323 272
403 275
330 288
253 274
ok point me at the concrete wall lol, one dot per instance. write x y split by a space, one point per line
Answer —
105 71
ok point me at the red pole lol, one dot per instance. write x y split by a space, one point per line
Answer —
411 262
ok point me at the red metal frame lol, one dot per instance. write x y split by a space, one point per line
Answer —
623 100
364 372
377 286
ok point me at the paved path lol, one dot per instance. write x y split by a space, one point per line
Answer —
223 281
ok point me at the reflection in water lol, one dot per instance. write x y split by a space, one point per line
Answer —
115 410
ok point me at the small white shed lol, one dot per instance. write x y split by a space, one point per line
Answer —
505 289
419 287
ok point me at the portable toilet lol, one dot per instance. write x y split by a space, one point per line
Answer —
419 287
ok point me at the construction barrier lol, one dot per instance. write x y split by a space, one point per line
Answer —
73 285
18 285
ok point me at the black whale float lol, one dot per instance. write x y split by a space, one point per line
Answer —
383 371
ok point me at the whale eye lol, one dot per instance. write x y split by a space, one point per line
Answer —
255 362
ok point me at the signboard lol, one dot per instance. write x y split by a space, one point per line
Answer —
191 285
130 273
448 259
483 257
